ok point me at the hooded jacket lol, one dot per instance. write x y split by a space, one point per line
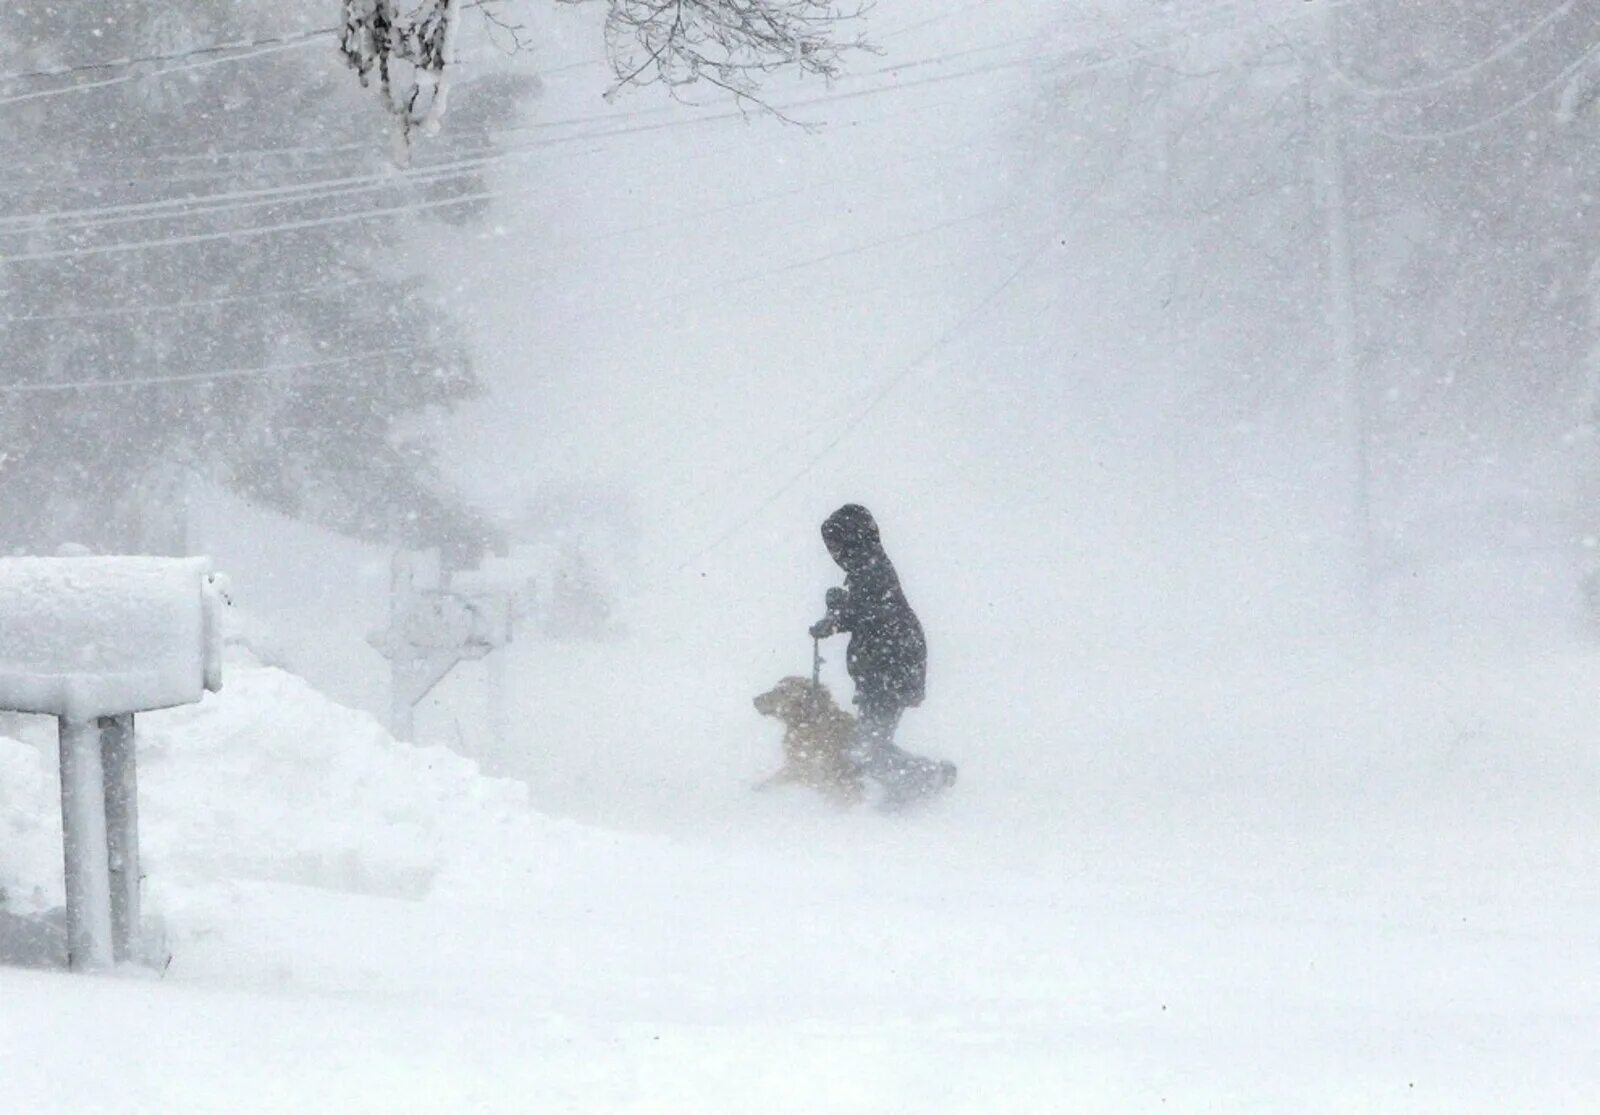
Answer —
888 655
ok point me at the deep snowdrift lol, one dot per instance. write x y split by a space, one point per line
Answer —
270 781
1307 893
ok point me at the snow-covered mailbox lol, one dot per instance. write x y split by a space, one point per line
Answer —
91 641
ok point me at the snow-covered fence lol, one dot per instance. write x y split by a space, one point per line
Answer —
92 641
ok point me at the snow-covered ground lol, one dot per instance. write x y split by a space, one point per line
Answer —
1226 895
1202 858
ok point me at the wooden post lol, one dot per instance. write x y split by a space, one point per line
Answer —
1341 317
499 717
402 586
122 831
412 671
402 722
83 839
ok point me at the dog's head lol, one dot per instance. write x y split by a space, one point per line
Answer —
794 700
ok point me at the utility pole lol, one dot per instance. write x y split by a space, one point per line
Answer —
1353 394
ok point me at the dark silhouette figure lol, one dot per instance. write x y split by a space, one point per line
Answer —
887 659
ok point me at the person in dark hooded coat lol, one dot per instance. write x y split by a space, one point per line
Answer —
887 658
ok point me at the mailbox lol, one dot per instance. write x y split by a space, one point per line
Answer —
91 641
85 637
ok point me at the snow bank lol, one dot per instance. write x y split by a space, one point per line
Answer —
30 830
269 780
95 636
273 781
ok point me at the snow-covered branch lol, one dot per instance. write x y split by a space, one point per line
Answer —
732 44
410 54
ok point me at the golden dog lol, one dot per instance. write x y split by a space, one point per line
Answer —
816 737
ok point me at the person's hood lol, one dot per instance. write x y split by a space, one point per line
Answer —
851 534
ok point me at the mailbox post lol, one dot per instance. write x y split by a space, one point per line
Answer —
85 845
120 772
92 641
431 629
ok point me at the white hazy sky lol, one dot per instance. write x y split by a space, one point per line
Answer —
654 308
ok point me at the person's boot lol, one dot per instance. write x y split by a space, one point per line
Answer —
917 782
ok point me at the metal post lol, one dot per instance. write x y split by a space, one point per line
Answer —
122 831
83 839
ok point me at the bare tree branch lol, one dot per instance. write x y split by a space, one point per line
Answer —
734 45
731 44
510 37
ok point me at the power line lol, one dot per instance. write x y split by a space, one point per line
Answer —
915 25
873 401
950 55
1457 76
877 398
247 233
299 37
1487 121
187 155
668 457
92 216
176 56
696 216
220 201
472 164
675 297
227 201
793 106
18 98
443 168
747 277
426 173
465 163
122 247
483 148
198 377
881 242
169 307
1174 25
